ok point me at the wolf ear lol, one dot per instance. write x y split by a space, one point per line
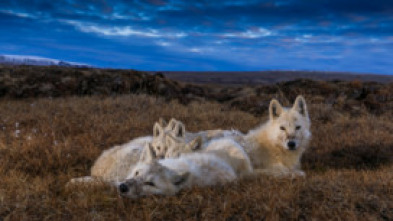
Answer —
157 130
162 122
148 155
180 179
275 109
180 130
195 144
300 106
171 125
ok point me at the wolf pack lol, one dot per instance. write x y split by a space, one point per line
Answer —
174 158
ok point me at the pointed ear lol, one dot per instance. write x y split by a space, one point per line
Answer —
162 122
275 109
157 130
300 106
148 155
180 179
195 144
180 130
171 125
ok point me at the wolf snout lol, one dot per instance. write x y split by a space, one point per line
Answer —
291 145
123 188
129 188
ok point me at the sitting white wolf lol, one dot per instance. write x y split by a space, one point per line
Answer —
275 148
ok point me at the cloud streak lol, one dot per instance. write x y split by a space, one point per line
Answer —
122 31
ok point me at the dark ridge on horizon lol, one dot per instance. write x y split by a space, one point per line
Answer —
56 81
268 77
228 78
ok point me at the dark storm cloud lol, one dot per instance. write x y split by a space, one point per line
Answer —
204 35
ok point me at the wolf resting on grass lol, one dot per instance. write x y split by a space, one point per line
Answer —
224 147
275 148
187 164
170 175
113 165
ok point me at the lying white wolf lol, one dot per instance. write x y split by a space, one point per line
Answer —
225 148
231 152
170 175
113 165
206 135
187 164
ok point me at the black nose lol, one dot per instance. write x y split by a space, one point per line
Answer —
123 188
291 145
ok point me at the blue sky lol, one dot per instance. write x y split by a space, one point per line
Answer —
326 35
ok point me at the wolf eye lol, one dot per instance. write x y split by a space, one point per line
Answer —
149 183
136 173
298 127
282 128
158 148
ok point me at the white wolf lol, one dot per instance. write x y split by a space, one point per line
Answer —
225 148
276 147
231 152
176 146
206 135
113 165
170 175
174 128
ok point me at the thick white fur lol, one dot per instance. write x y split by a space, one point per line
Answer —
219 143
171 175
114 164
267 145
232 153
160 132
209 135
178 146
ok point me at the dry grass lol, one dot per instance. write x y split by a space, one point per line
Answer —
45 142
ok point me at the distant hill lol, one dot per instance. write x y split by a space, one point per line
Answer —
269 77
37 61
355 97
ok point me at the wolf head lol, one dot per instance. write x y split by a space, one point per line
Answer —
160 131
290 127
151 178
177 146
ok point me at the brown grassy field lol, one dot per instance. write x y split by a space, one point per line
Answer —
44 142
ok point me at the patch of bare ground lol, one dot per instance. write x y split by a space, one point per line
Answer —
45 142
